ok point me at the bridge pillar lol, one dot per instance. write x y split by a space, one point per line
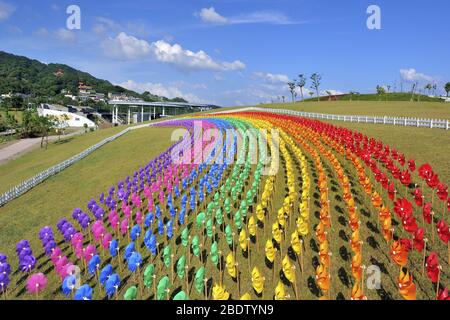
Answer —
142 114
129 116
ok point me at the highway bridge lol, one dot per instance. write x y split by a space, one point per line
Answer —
140 111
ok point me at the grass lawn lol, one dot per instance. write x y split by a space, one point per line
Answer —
31 163
74 187
429 110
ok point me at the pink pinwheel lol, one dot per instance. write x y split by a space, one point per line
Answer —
56 255
124 226
36 283
107 240
139 218
127 212
76 239
89 252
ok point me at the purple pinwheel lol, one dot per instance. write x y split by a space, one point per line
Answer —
27 263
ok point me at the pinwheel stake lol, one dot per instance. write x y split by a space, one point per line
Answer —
171 267
329 274
154 287
189 249
425 240
238 276
167 294
362 278
301 256
220 267
432 227
249 256
438 281
186 270
234 252
205 280
295 285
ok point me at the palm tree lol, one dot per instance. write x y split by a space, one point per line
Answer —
429 87
447 88
301 83
292 85
316 78
380 91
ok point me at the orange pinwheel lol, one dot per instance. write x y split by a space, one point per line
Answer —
357 293
406 285
322 278
376 200
399 253
356 266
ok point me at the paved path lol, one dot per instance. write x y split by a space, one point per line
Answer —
22 146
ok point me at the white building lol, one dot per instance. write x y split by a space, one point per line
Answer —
73 119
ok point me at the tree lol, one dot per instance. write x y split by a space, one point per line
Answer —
316 80
301 83
380 91
292 85
413 90
45 124
429 87
60 123
447 88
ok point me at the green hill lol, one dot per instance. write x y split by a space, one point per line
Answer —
20 74
393 96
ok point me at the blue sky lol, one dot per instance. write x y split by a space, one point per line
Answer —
234 52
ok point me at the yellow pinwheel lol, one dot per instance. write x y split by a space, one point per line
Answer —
243 240
302 227
270 250
257 280
280 292
219 292
281 217
260 212
246 296
276 232
231 265
252 226
288 269
295 243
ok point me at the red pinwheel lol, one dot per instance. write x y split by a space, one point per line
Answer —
425 170
409 223
402 207
432 180
418 241
401 159
442 191
443 231
405 178
411 165
418 197
432 266
426 212
443 294
391 191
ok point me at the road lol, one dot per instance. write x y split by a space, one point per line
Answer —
23 146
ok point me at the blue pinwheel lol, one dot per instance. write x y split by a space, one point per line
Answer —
113 248
169 229
94 264
160 227
69 284
135 232
112 284
83 293
129 249
134 261
149 218
105 274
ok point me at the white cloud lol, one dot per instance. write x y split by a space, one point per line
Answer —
272 78
210 15
6 10
42 32
412 75
15 30
162 90
65 35
189 60
126 47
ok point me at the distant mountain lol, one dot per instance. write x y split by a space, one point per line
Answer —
20 74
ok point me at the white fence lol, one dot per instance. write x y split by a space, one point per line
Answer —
26 185
413 122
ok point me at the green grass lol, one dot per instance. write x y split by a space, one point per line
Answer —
31 163
56 197
17 114
428 110
393 96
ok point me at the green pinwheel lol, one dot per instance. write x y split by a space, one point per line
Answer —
209 228
149 272
180 296
131 293
214 254
219 216
229 235
185 237
200 220
181 264
166 256
163 288
238 220
196 245
199 280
